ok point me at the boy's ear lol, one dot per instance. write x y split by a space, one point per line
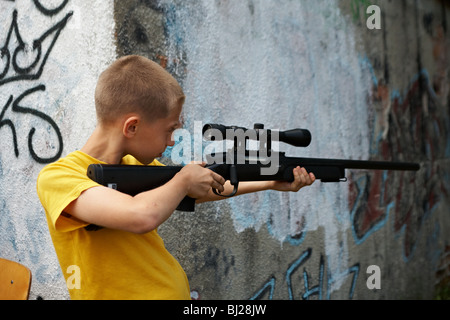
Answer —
130 126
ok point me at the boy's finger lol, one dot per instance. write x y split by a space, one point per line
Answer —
217 177
200 163
218 186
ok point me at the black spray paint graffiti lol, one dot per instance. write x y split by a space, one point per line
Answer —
17 108
46 11
13 70
27 72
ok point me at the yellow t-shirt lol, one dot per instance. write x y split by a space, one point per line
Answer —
107 263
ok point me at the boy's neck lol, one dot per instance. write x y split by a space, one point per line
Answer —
105 146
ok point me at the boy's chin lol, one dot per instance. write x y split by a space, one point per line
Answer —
147 161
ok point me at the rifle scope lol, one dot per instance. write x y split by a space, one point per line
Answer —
295 137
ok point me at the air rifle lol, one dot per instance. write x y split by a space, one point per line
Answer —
239 163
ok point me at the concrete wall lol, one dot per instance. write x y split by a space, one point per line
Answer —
363 93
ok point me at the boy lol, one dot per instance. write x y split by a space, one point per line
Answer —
138 107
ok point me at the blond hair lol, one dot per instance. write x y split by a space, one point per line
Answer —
136 84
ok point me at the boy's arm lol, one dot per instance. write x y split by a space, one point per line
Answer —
146 211
301 179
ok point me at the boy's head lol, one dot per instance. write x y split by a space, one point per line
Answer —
135 84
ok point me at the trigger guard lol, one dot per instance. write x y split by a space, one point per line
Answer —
226 195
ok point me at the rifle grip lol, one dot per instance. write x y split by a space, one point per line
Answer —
187 204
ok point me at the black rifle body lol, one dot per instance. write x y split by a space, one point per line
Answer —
131 179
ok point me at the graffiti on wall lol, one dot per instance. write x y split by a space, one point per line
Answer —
407 127
301 284
25 62
308 275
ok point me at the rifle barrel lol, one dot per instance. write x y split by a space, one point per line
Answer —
355 164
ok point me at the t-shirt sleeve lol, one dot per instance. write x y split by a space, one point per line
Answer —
57 187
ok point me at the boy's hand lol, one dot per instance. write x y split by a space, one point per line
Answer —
201 180
301 179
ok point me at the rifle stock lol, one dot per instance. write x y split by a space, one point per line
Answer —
132 180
